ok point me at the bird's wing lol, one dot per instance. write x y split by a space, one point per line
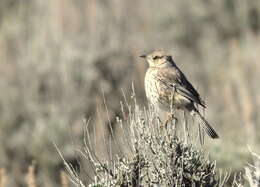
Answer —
173 78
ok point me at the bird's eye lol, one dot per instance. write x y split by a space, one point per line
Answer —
156 57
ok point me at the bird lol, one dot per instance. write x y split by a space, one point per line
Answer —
167 88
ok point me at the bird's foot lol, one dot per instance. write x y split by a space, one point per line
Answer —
173 118
170 118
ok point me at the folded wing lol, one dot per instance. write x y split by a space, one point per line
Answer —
173 78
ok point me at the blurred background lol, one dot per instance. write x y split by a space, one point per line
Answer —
59 57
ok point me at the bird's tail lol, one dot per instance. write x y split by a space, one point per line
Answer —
205 125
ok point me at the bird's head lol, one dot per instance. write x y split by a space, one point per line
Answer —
158 58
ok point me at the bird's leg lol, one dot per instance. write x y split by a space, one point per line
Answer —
173 115
172 99
185 128
167 120
170 117
159 120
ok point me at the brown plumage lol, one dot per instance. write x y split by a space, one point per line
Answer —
167 88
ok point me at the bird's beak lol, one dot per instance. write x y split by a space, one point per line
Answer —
142 56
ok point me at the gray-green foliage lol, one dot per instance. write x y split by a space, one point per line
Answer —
175 164
154 154
159 156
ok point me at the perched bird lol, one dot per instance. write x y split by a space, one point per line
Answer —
167 88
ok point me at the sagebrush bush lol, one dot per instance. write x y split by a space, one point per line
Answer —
171 164
157 155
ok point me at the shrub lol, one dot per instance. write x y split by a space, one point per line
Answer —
157 155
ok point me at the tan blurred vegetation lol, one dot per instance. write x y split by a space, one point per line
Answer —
58 58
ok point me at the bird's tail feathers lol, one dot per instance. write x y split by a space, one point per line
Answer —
205 125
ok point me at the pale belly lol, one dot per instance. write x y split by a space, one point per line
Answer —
161 96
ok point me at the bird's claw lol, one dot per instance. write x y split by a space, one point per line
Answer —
171 117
